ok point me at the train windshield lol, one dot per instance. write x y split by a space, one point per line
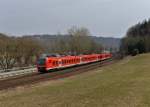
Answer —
41 61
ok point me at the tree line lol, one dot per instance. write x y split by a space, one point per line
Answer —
24 51
17 51
137 39
78 41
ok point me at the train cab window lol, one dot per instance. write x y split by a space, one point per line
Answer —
41 61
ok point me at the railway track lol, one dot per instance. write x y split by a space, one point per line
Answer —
37 77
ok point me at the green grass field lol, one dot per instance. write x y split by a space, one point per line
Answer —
124 84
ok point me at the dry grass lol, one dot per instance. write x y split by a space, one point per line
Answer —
125 84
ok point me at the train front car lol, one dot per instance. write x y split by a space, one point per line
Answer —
41 65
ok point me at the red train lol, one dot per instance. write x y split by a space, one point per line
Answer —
51 62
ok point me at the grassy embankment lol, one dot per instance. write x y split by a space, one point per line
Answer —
124 84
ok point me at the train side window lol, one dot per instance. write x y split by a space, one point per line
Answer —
64 62
53 63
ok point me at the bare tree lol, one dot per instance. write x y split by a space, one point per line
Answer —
18 51
81 41
7 52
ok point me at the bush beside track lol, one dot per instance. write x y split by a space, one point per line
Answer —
124 84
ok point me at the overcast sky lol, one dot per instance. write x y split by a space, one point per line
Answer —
101 17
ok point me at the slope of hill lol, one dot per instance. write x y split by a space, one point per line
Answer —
106 42
124 84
